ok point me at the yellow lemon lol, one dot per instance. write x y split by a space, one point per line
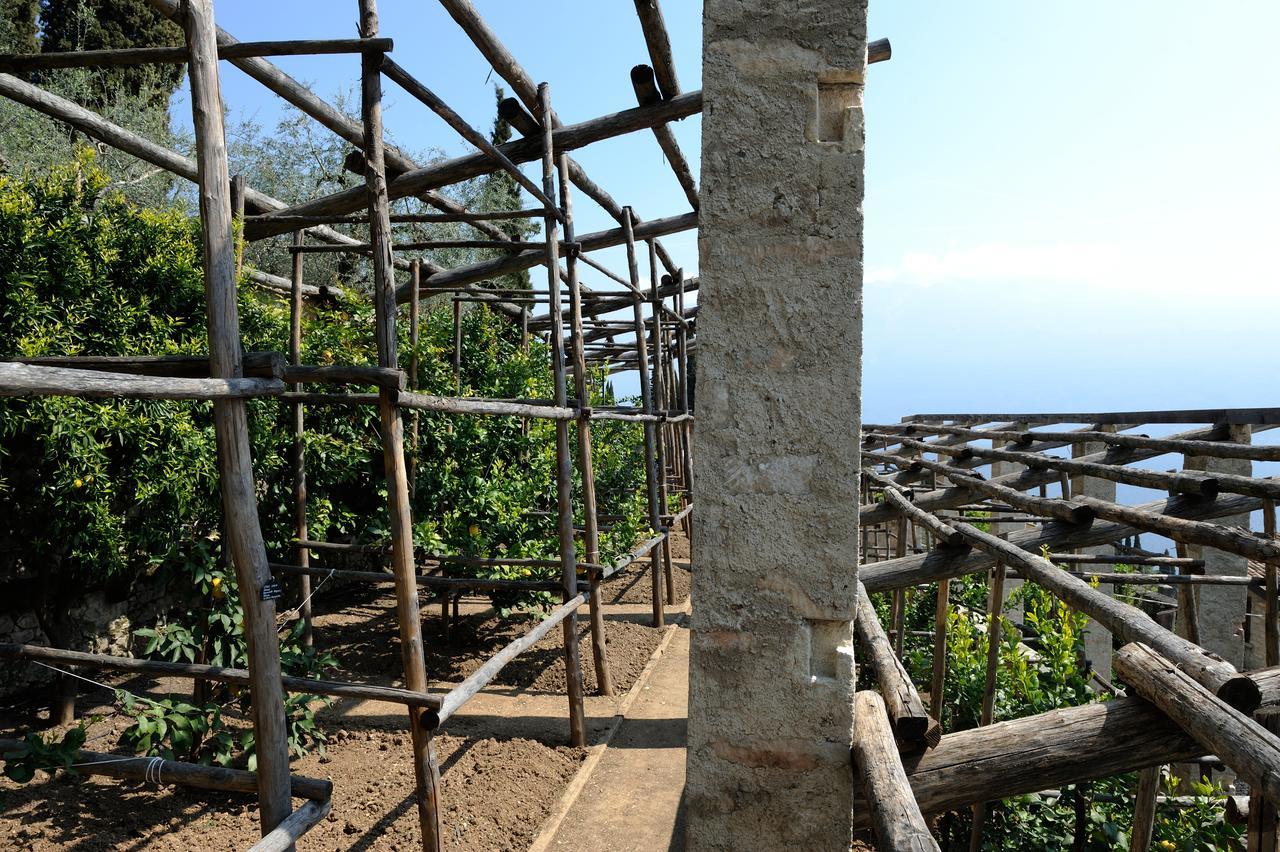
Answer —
473 530
1167 844
79 483
217 588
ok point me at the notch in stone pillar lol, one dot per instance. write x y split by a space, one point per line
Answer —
839 99
830 650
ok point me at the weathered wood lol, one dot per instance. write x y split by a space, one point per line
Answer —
1189 532
260 365
1271 637
650 436
938 680
1163 579
374 197
427 581
235 465
879 51
383 377
642 81
482 676
497 267
659 44
1127 622
414 87
222 674
464 405
1188 615
911 722
1144 809
1260 815
283 837
458 169
945 534
1254 416
923 568
1194 566
18 380
298 453
895 815
509 69
1020 756
549 148
586 464
1238 741
222 778
995 620
22 63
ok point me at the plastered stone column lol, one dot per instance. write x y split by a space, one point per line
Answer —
1097 639
776 460
1221 608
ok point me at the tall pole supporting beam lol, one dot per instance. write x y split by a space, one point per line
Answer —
425 766
230 420
564 461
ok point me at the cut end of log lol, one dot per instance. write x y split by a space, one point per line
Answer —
1242 693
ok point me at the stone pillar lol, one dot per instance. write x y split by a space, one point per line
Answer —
776 460
1221 608
1097 639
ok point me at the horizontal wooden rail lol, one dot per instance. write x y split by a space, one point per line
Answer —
17 380
428 581
21 63
164 668
482 676
283 837
1240 416
130 768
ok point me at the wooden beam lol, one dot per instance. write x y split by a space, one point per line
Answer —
458 169
1129 623
1255 416
230 417
18 380
912 724
283 837
1247 747
895 815
22 63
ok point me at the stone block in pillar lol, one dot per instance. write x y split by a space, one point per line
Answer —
1221 608
776 457
1097 639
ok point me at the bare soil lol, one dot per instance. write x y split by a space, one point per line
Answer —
502 775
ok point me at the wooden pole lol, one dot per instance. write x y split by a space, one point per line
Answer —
895 815
911 722
1144 809
564 460
1272 589
239 501
650 438
591 532
400 517
937 686
1240 742
1188 617
659 387
1262 813
299 459
900 595
415 332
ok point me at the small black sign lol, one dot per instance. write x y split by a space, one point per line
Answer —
271 591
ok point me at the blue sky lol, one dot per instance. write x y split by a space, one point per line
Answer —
1093 182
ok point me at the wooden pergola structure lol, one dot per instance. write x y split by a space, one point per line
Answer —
656 341
1187 702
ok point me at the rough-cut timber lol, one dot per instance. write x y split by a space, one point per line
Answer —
1238 741
1041 752
911 722
776 455
898 823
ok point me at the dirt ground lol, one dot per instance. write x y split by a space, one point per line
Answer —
502 771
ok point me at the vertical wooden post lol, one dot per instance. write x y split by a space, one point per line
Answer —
564 461
937 686
1262 813
237 218
415 322
899 623
659 389
646 401
995 619
1271 613
299 460
401 522
1188 618
591 524
230 420
457 347
1144 809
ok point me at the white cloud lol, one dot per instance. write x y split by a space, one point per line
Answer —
1173 267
